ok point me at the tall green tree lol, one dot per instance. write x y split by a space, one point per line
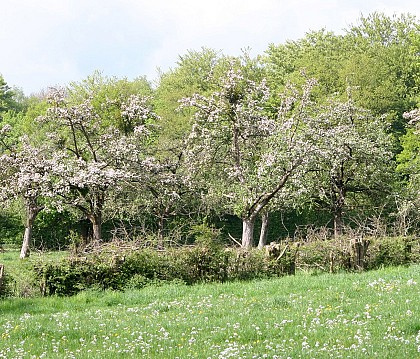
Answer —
8 97
192 74
383 65
409 168
376 57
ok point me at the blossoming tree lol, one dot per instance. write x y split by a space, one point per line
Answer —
26 174
96 156
356 160
245 154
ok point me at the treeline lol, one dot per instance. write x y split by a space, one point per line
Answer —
318 134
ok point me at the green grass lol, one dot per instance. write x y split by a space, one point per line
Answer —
22 270
358 315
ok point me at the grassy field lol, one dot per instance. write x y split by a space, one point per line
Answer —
21 270
358 315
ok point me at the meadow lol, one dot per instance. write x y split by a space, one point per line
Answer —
345 315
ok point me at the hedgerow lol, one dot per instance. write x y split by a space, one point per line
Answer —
113 267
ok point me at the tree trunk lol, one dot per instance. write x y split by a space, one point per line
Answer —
96 220
338 223
339 195
161 222
162 216
264 230
249 221
97 228
85 232
31 212
25 250
248 232
1 277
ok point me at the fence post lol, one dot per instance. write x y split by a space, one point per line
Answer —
1 275
359 249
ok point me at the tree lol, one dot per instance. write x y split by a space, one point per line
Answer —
409 161
320 53
191 75
246 155
376 57
7 101
96 156
26 174
24 164
170 195
161 203
107 94
356 160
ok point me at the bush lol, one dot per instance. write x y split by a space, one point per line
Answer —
112 267
51 229
415 251
326 255
11 229
346 253
130 269
4 279
201 263
391 251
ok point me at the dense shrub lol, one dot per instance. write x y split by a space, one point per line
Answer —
135 269
4 288
122 268
201 263
391 251
325 255
415 251
11 229
346 253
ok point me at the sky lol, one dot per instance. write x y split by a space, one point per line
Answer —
53 42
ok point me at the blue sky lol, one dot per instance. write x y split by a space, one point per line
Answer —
53 42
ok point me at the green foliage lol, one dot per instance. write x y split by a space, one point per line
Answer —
325 255
111 91
139 268
319 54
7 97
51 229
376 58
205 234
191 75
121 268
11 228
409 159
202 263
409 168
4 285
24 122
253 264
392 251
344 253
